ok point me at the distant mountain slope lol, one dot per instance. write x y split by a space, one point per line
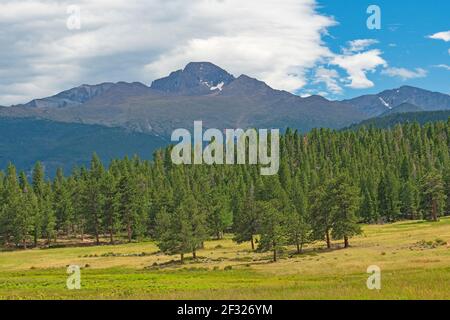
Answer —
201 91
204 91
25 141
375 105
403 108
72 97
396 118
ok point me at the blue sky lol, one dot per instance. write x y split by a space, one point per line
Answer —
302 46
403 39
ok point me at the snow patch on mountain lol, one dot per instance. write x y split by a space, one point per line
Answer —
219 86
385 103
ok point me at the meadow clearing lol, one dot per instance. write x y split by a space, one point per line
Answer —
414 258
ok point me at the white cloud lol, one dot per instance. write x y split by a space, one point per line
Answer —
276 43
444 35
443 66
358 65
405 74
359 45
357 61
329 77
133 40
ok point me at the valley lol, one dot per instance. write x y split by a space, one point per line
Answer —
226 270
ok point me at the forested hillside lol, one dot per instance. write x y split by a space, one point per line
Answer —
393 118
329 181
55 144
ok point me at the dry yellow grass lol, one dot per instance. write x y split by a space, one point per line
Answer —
410 269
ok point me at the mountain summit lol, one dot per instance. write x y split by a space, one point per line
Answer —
377 104
204 91
197 78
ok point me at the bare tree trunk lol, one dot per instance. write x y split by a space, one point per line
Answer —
346 245
194 254
434 210
35 238
297 242
253 243
274 251
111 235
328 239
129 231
182 257
97 239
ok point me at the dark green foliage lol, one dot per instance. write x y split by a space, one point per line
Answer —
329 182
434 195
273 228
394 118
65 145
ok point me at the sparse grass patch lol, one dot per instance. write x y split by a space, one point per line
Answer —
226 270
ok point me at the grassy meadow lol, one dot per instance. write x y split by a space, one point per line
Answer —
414 258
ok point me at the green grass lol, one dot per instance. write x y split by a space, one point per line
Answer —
410 270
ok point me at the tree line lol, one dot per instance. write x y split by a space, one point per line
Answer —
328 183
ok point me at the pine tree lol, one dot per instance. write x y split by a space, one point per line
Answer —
298 227
433 200
62 203
247 220
220 216
14 220
388 196
273 228
409 200
447 188
368 209
128 206
38 184
183 230
48 214
321 215
110 212
344 204
23 223
93 198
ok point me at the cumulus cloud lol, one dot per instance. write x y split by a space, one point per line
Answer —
330 78
405 74
359 45
357 63
444 35
133 40
275 43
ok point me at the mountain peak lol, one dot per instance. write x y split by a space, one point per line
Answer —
197 78
84 93
375 105
71 97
